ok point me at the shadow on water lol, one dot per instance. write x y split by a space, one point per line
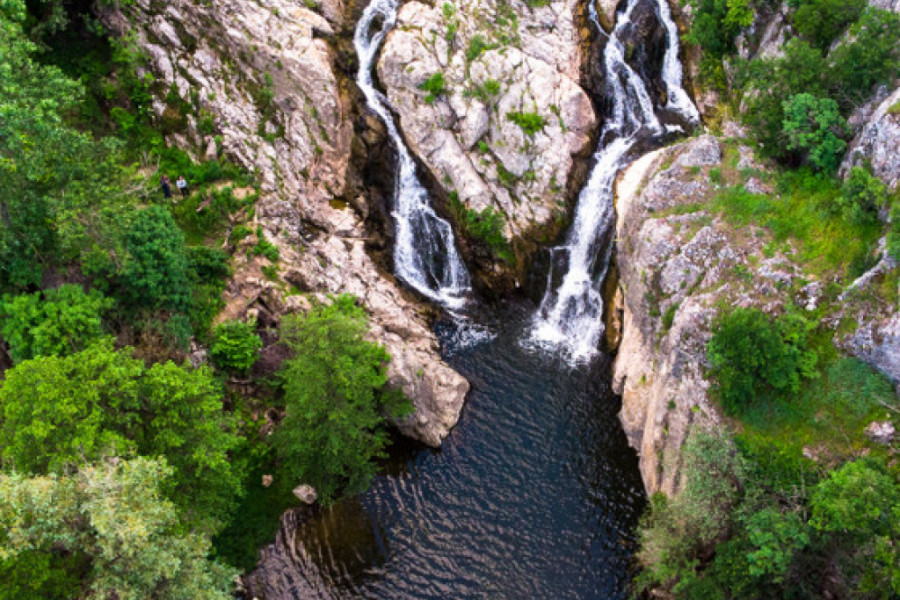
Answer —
535 494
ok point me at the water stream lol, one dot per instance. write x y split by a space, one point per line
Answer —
425 254
570 317
536 493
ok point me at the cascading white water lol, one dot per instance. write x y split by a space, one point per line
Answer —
425 254
570 315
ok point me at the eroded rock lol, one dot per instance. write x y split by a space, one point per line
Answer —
263 77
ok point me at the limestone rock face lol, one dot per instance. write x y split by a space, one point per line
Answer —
261 75
496 60
877 142
663 263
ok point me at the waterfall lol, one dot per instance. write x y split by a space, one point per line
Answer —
425 254
570 317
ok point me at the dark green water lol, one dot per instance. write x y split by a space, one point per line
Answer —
535 494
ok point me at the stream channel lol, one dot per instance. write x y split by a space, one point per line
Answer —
535 494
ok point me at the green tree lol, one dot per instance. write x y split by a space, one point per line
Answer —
156 271
769 82
821 21
60 190
751 355
58 412
52 322
676 530
335 397
871 56
235 346
858 507
113 518
815 127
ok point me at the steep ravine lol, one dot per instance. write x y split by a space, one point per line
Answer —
260 86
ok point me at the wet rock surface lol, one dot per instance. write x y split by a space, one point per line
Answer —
503 130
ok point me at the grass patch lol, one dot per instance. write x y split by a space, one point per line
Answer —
830 412
803 211
529 122
435 86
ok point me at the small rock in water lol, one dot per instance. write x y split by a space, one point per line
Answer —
306 493
881 432
267 480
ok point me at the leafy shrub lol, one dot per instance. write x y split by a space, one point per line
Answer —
673 532
53 322
752 356
477 46
435 86
716 24
235 346
870 57
861 196
155 274
530 123
335 400
821 21
815 127
264 247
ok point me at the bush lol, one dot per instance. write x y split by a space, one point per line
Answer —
752 356
675 531
861 196
871 57
53 322
155 274
822 21
235 347
335 400
434 85
477 46
814 127
530 123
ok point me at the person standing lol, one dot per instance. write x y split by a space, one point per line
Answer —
182 185
166 187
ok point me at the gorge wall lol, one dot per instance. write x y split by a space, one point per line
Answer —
268 95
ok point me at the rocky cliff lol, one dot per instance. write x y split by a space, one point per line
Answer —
257 82
488 97
681 261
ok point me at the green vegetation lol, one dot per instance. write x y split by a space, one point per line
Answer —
477 46
336 400
58 412
235 346
814 127
107 528
751 356
862 195
530 123
485 226
120 461
435 86
802 219
53 322
773 538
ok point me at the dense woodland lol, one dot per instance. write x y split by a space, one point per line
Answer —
124 463
758 518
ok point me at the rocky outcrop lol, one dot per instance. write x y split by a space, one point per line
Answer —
662 264
502 129
257 83
877 141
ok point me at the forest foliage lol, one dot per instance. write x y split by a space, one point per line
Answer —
120 459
